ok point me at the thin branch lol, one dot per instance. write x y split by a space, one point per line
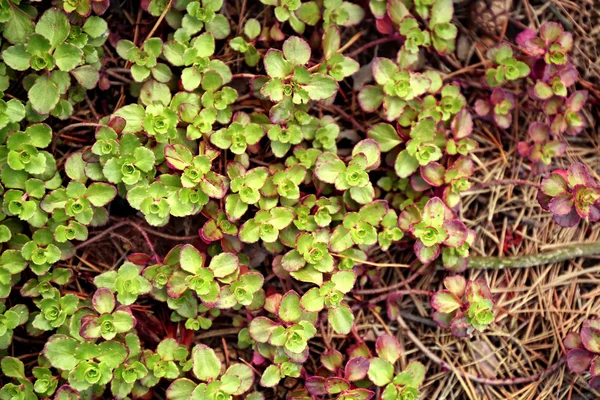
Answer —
358 260
532 260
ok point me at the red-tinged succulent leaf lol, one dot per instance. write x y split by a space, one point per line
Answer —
356 369
426 254
477 290
388 348
336 385
261 328
585 197
418 183
397 10
523 149
552 106
572 341
542 91
503 120
359 394
316 385
457 233
443 320
578 174
384 70
577 100
594 212
568 75
409 216
436 212
459 326
456 284
590 335
462 124
568 221
539 131
551 31
579 360
499 95
595 383
370 98
595 367
561 204
483 108
445 302
433 173
139 259
554 184
210 231
332 360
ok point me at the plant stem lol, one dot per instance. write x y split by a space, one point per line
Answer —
532 260
374 43
486 381
78 125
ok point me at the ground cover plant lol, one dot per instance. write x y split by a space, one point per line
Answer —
293 199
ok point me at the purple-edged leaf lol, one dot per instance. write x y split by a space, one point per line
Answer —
359 394
595 367
332 359
578 174
210 231
316 385
370 148
483 108
539 132
550 31
569 220
459 326
418 183
462 124
356 369
426 254
503 120
584 198
261 328
456 284
577 100
554 184
336 385
436 212
568 75
397 10
590 335
90 328
178 157
289 309
409 216
443 320
572 341
370 98
405 164
384 70
579 360
104 301
595 383
561 204
542 91
214 185
433 173
388 348
445 302
457 233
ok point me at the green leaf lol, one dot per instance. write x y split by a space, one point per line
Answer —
296 50
44 95
100 194
87 76
441 12
16 57
67 56
386 135
223 264
341 319
54 26
95 26
321 87
381 372
271 376
19 26
252 28
112 353
276 65
190 259
181 389
206 365
405 164
60 351
289 309
13 367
